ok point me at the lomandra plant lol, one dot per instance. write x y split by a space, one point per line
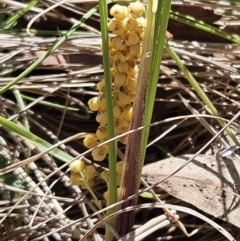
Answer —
131 56
133 40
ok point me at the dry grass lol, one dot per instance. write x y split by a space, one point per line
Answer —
52 209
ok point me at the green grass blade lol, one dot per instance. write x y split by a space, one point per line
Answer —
50 104
191 21
11 21
38 142
112 154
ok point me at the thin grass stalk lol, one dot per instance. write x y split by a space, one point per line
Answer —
49 104
21 106
12 19
199 91
191 21
112 154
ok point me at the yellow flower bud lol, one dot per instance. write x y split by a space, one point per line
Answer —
119 191
119 179
132 97
139 30
139 55
77 166
115 26
127 113
89 172
121 67
102 103
117 111
133 71
120 79
121 126
93 104
121 55
90 141
106 195
141 35
102 132
129 24
112 72
101 86
141 24
100 153
136 9
131 63
133 50
112 53
117 42
102 117
119 11
132 38
123 98
120 166
75 179
105 175
131 86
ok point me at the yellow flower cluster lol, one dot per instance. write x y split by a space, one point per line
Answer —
82 174
128 26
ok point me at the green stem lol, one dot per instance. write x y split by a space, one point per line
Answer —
112 154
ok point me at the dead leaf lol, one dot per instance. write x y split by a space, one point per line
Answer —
203 183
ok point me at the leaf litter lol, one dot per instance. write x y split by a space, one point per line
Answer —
209 183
